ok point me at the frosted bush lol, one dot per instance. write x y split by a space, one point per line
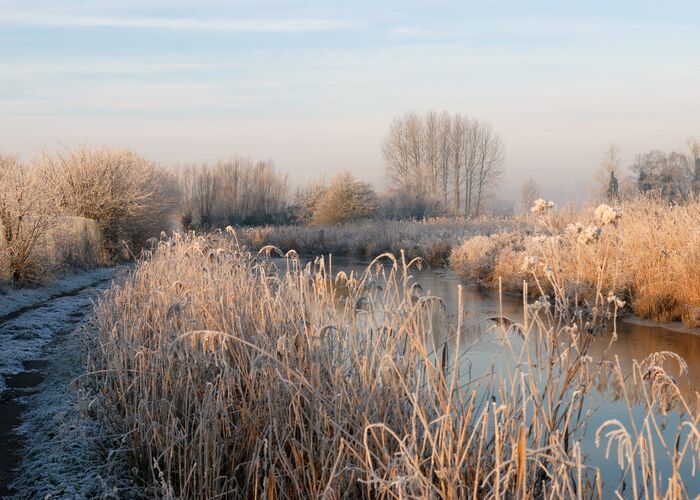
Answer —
574 229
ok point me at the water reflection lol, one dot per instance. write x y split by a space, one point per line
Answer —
484 349
481 305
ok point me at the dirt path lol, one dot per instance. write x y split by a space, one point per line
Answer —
39 354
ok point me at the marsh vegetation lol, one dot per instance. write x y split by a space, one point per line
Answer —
233 374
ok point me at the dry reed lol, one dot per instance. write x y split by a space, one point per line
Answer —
231 375
649 256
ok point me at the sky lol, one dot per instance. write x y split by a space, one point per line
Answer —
314 85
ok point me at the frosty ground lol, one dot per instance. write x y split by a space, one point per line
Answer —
53 450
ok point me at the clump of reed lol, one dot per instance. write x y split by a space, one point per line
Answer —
231 375
644 251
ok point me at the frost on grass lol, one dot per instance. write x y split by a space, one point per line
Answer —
41 313
65 456
13 300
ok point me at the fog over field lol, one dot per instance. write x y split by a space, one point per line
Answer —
314 86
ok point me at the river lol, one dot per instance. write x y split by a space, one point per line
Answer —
482 349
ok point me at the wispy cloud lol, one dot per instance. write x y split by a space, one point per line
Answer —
25 18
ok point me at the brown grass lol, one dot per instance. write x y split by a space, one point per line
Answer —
229 375
650 257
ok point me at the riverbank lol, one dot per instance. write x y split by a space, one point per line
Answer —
644 253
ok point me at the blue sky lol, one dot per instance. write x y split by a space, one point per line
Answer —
313 85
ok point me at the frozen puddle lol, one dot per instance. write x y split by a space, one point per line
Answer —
40 353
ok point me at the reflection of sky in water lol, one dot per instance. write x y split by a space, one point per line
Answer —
482 349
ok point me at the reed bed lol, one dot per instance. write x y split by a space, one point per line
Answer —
229 375
645 252
430 239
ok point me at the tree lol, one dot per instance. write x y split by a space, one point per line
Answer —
694 147
25 215
613 192
448 157
306 200
443 153
528 194
459 132
490 164
402 147
610 167
668 175
234 191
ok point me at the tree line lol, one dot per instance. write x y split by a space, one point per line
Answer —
672 176
237 191
451 158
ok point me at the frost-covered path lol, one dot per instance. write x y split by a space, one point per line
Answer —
38 356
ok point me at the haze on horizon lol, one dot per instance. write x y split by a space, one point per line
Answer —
314 86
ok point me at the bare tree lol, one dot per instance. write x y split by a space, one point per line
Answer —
471 138
668 175
610 168
528 194
402 147
490 163
443 153
205 194
459 129
694 147
447 157
430 150
234 191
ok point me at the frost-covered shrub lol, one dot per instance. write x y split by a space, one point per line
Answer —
344 200
129 197
476 257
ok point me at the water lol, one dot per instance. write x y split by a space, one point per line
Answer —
482 349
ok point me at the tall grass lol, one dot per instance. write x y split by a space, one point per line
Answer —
230 375
650 257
